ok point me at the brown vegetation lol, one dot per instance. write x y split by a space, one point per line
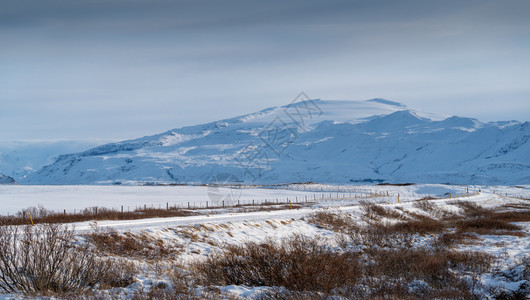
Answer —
41 215
41 260
307 269
374 211
298 263
130 245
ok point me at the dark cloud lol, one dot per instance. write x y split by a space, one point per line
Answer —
76 68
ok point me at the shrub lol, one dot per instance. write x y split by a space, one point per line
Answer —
425 205
130 245
298 264
422 225
333 221
373 211
43 260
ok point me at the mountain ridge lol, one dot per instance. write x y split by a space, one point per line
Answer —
326 141
4 179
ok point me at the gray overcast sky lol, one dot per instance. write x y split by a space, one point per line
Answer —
124 69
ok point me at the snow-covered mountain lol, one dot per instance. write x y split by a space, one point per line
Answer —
7 180
321 141
20 158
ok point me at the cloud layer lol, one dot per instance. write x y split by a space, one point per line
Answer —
122 69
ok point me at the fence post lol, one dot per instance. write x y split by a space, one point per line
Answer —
167 205
122 209
96 210
31 219
206 204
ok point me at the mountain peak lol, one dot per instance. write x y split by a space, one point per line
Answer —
399 120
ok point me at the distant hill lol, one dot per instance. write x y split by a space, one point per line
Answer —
7 180
320 141
20 158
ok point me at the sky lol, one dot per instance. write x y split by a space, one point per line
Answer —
122 69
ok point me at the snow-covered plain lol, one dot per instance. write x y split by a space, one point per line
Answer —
212 232
58 198
200 235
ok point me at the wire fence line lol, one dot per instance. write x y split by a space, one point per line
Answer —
315 198
169 209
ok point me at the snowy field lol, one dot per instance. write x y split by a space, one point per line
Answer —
191 239
14 198
200 236
58 198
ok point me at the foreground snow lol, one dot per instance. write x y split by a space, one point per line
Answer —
199 236
196 237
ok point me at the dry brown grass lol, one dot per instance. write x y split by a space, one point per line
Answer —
42 215
421 225
43 260
131 245
298 263
305 269
374 211
335 221
484 221
425 204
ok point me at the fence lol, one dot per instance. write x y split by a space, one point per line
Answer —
169 209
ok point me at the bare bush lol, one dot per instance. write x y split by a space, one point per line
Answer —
425 205
304 269
374 211
472 209
481 220
43 260
422 225
334 221
298 263
130 245
381 235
